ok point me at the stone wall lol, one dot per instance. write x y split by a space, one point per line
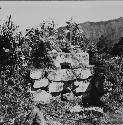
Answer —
75 59
57 80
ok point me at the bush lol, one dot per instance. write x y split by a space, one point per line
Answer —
7 44
114 69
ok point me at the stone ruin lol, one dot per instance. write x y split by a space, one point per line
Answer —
69 80
72 73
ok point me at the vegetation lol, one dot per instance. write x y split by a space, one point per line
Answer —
19 53
112 30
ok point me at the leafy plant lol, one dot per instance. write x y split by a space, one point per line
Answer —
7 43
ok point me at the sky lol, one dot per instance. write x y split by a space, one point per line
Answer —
31 13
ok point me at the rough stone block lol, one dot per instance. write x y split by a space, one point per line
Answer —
42 97
41 83
75 59
82 86
61 75
69 74
56 87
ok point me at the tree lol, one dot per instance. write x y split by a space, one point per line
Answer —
75 35
40 44
118 48
7 43
102 45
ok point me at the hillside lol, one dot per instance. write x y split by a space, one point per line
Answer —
112 29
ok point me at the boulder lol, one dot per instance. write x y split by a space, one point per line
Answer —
61 75
56 87
37 74
82 86
41 83
42 97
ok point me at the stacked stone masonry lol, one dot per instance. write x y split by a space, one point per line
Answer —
78 72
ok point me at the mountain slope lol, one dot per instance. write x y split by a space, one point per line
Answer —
112 29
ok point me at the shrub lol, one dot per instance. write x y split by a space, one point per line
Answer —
114 76
7 44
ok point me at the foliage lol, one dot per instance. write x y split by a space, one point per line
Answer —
112 29
102 45
13 90
117 49
114 69
19 52
7 43
75 35
42 39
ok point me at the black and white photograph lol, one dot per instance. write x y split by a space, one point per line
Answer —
61 62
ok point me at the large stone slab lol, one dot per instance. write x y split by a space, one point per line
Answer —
75 59
42 97
69 74
37 73
61 75
81 86
41 83
56 87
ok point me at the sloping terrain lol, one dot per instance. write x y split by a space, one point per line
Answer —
112 29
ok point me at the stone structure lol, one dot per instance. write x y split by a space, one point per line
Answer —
71 69
74 59
70 79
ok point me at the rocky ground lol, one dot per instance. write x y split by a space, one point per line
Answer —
70 113
18 110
